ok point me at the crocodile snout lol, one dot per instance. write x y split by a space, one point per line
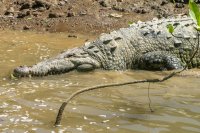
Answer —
21 71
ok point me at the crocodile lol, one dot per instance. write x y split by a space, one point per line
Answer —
143 45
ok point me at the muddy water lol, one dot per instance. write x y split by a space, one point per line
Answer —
31 104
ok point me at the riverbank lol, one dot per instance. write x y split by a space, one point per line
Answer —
85 16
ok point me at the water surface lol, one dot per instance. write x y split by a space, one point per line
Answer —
31 104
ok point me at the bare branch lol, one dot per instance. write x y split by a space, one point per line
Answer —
59 115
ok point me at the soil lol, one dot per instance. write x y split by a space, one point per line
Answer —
83 16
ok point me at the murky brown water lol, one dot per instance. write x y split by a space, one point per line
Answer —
31 105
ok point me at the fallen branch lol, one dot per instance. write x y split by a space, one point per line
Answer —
62 107
59 115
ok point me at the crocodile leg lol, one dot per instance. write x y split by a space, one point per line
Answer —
159 60
72 59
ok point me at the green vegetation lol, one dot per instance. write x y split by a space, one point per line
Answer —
194 13
130 23
170 28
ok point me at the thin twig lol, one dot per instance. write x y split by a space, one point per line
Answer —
60 112
149 98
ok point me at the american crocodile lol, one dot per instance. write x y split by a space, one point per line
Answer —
143 45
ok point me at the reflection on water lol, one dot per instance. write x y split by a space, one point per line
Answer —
31 105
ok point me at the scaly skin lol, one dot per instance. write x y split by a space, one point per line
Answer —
144 45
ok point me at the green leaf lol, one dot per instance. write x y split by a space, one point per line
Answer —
194 12
192 15
197 28
29 18
12 77
173 1
130 23
170 28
